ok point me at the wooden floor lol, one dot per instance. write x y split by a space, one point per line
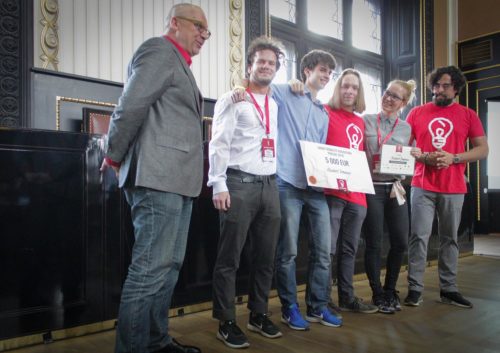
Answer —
487 244
432 327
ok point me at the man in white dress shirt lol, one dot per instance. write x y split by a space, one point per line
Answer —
242 155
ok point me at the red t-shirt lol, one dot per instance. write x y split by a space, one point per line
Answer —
445 128
347 130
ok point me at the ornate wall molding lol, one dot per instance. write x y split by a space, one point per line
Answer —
49 39
10 63
235 42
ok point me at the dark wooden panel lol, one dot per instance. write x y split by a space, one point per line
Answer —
407 17
407 71
494 212
47 85
402 33
49 255
467 62
483 84
255 25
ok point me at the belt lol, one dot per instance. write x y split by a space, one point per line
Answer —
384 182
249 178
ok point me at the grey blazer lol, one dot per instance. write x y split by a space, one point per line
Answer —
155 131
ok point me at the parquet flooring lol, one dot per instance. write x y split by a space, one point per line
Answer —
432 327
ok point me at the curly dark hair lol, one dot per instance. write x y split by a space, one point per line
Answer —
457 77
315 57
265 43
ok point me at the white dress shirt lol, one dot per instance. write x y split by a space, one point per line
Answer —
237 133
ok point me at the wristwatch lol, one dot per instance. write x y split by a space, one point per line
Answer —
456 159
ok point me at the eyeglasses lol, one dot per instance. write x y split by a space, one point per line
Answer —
204 31
392 96
444 86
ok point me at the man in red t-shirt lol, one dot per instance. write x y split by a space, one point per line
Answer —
441 129
347 209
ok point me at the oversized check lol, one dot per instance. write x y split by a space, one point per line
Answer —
396 159
336 167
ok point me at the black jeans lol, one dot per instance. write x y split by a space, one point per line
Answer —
346 220
255 213
381 207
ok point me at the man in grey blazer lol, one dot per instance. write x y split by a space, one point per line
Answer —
155 147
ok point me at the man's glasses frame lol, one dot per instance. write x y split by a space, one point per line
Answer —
445 86
204 31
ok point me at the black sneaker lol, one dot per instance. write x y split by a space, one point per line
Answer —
357 306
393 298
260 323
382 304
231 335
413 298
334 309
455 298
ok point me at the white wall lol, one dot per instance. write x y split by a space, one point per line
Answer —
493 169
98 37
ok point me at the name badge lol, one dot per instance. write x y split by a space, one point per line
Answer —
268 152
397 160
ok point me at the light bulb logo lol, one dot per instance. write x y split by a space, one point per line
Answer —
440 129
355 135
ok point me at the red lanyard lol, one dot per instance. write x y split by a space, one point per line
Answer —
379 134
266 107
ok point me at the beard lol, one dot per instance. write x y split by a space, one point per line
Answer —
442 101
262 81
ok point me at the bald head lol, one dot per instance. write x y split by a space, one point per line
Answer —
186 10
188 26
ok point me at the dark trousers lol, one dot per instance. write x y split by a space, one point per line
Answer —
346 220
254 212
381 207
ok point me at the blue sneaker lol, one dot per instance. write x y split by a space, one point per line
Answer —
324 317
292 317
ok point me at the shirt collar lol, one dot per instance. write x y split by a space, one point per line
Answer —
316 101
385 117
183 51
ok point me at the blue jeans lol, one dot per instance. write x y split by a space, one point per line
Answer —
161 224
292 201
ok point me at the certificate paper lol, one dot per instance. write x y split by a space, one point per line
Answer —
396 159
336 168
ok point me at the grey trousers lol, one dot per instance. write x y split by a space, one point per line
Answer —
254 213
346 220
448 207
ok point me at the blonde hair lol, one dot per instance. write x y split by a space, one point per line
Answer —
409 86
359 105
